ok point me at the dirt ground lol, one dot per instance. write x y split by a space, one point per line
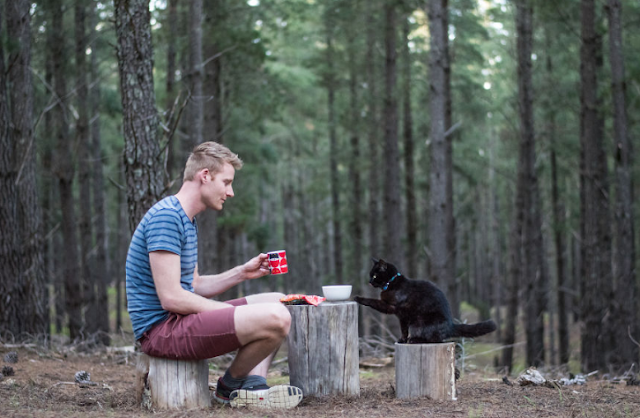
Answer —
43 386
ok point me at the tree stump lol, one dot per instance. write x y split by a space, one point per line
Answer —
323 348
426 370
172 384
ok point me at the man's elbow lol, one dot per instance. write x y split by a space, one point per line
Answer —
170 303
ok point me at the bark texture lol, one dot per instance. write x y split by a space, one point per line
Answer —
26 311
392 211
624 305
357 269
531 236
323 348
595 241
426 370
143 168
373 155
101 270
64 172
333 147
409 165
82 140
10 257
440 210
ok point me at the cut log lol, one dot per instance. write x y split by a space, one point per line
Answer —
323 348
172 384
426 370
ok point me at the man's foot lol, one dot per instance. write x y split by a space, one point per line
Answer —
277 397
222 392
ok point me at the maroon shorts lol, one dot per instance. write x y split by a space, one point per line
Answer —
194 337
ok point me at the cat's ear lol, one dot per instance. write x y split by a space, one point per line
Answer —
375 260
382 264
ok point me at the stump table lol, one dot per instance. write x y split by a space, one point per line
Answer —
172 384
323 348
426 370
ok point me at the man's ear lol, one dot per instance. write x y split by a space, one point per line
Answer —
202 174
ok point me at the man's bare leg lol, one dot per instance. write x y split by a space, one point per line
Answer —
263 367
260 328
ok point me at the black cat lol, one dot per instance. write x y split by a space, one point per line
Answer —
423 310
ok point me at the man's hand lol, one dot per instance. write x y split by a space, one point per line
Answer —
211 285
258 266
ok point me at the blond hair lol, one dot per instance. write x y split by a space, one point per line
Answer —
210 155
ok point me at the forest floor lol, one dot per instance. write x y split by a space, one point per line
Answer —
43 386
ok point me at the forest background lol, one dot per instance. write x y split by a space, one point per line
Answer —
485 145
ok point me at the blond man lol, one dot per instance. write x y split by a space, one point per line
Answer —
170 303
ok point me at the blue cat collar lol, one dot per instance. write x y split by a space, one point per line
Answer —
389 282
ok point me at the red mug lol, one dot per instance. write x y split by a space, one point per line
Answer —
278 262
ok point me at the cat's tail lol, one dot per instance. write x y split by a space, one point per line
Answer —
474 330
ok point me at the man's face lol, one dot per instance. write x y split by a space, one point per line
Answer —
218 187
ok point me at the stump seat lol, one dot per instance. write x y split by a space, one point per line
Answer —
426 370
172 384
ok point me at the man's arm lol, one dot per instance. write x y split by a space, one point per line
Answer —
165 268
211 285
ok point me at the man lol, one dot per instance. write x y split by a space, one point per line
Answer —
168 300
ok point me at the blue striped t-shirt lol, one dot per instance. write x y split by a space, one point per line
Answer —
164 227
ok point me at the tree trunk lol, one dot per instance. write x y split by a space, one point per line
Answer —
206 221
558 214
24 298
409 170
391 199
171 107
497 280
373 142
513 284
195 73
144 174
10 257
450 222
596 240
208 240
440 210
357 270
82 140
64 172
532 248
624 309
334 150
101 272
54 291
121 239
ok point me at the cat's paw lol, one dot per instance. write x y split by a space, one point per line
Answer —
358 299
402 340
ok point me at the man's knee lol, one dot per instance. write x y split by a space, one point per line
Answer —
280 319
267 320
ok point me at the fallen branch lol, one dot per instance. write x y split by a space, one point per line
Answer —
29 345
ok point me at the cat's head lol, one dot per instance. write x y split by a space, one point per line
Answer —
381 273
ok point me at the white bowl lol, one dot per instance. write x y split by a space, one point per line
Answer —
338 292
